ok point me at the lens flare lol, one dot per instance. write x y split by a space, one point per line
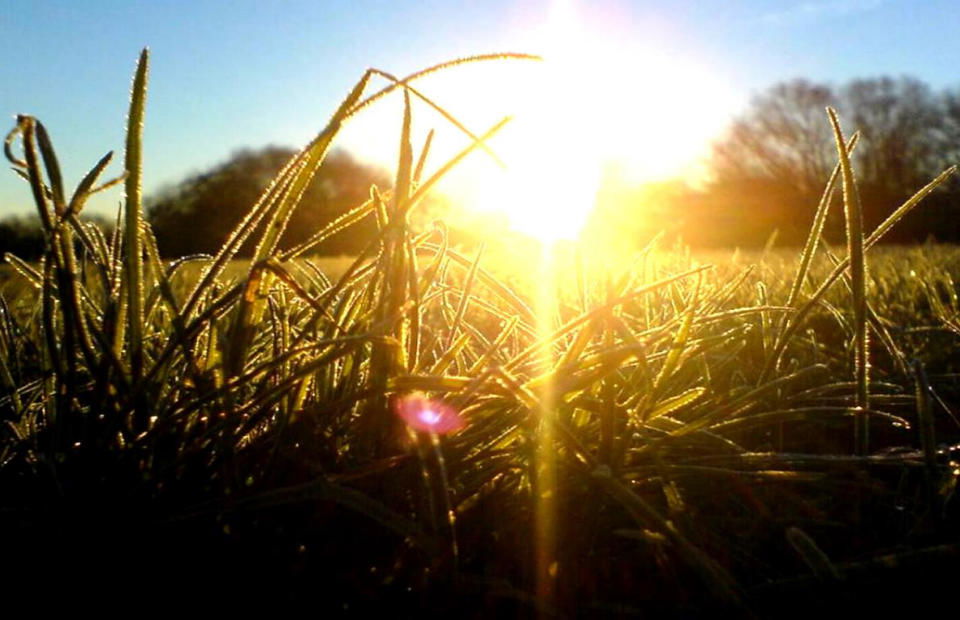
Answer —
428 416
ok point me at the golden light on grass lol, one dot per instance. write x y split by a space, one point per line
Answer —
545 477
611 430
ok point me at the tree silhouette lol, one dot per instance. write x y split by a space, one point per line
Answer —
197 214
22 237
778 155
784 137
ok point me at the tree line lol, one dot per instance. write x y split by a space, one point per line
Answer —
195 215
766 173
769 169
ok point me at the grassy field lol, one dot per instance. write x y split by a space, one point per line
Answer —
476 433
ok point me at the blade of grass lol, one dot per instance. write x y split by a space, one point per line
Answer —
877 234
858 282
133 211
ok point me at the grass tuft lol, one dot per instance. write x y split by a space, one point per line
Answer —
670 438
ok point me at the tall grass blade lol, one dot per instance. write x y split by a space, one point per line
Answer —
465 294
52 165
422 160
858 281
133 215
816 230
803 311
85 186
280 209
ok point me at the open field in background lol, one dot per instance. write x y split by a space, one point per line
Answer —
478 432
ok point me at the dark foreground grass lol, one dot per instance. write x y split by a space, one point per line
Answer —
768 437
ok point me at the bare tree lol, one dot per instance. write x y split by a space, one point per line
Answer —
782 146
783 137
901 124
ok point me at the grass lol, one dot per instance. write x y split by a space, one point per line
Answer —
684 435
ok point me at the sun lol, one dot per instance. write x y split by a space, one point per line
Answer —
595 102
553 159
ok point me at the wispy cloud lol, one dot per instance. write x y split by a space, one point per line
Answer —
823 9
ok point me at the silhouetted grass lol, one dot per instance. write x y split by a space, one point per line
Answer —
667 438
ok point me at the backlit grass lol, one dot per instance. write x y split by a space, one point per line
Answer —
665 435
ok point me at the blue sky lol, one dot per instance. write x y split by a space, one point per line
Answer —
232 74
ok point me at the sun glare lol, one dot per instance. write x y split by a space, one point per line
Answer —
595 101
